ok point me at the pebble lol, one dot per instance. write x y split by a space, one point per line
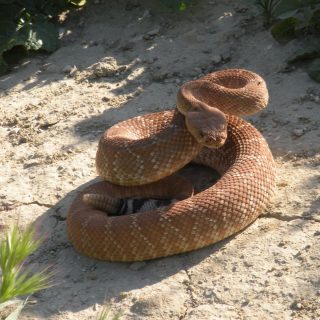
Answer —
151 34
154 32
71 70
226 58
127 46
159 75
67 68
298 132
216 59
296 305
137 265
92 275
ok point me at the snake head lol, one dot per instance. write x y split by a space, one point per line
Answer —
208 126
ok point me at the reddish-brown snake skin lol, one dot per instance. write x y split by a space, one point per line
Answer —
138 151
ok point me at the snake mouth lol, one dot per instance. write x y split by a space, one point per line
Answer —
212 139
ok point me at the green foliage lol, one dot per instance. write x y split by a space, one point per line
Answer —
268 8
177 4
31 24
314 70
296 19
14 249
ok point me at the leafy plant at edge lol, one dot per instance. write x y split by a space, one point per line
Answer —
177 4
296 19
16 246
30 24
268 8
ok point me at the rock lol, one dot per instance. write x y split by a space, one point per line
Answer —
127 46
207 51
92 275
151 34
296 305
71 70
106 67
298 132
216 59
93 43
159 75
137 265
67 68
226 57
154 32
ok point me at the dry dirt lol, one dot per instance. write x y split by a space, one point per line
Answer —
119 59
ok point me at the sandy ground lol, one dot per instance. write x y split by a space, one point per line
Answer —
121 59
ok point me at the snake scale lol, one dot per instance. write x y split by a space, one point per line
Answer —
138 157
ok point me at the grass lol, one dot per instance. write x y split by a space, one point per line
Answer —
268 9
16 246
104 314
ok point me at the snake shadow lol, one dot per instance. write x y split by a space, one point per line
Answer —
81 282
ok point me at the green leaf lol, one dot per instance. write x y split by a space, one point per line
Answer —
308 51
285 30
7 35
44 35
9 12
292 5
315 20
183 6
14 248
314 70
177 4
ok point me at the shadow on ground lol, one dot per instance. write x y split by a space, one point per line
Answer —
88 281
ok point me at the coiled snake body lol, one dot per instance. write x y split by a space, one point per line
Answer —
137 157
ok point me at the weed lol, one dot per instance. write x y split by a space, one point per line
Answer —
104 314
16 246
31 25
268 9
296 19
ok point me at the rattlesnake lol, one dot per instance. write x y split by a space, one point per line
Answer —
137 157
